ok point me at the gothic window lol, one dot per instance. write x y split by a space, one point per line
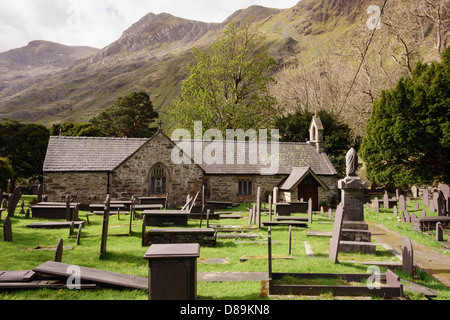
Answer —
158 181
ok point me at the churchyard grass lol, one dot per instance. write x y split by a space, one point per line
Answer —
125 255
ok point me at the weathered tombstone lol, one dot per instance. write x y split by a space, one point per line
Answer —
395 211
403 217
423 213
14 200
59 251
7 230
386 200
446 191
39 193
5 203
270 207
367 206
397 194
407 216
376 205
408 199
310 211
432 208
275 200
27 214
80 226
330 213
68 208
415 191
435 197
413 217
105 227
321 210
401 203
254 214
250 216
440 204
72 226
336 235
417 205
407 257
439 232
22 207
426 197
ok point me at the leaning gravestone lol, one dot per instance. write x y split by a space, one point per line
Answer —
59 251
39 193
14 200
105 227
336 235
423 213
446 191
310 211
407 257
7 230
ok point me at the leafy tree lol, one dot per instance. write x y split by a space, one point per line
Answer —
338 137
229 90
6 172
130 116
74 129
408 133
25 145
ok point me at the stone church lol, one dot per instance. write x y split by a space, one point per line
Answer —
89 168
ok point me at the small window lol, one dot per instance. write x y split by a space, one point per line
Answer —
245 187
158 181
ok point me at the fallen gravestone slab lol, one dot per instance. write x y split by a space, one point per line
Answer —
16 276
92 276
55 225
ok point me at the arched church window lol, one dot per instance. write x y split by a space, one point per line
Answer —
158 181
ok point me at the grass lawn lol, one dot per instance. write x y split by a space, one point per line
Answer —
125 255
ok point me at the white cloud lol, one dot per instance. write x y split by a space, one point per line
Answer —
98 23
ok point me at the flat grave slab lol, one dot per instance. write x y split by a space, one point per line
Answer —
299 224
95 276
16 276
54 225
238 236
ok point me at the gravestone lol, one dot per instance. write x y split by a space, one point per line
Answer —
397 194
367 206
407 256
408 199
250 216
417 205
415 191
403 217
310 211
39 193
376 205
432 208
270 207
59 251
27 214
7 230
441 204
407 216
423 213
258 207
401 203
330 213
446 191
105 227
13 201
5 203
386 201
336 235
80 226
426 197
439 232
321 210
395 211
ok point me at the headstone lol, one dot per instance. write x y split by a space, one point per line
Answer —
68 208
403 217
27 214
105 227
310 211
59 251
407 216
14 200
415 191
39 193
321 210
80 226
401 203
441 204
423 213
407 257
417 205
250 216
386 201
5 203
336 235
439 232
7 230
22 207
432 208
352 189
367 205
376 205
446 191
395 211
413 217
330 213
397 194
254 214
408 199
426 197
270 207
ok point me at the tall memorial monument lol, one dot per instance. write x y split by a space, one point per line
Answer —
355 235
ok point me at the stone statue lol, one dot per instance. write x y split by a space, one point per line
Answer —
352 162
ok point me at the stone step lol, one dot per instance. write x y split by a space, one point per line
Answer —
357 247
356 235
357 225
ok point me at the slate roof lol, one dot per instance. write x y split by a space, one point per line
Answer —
297 175
86 154
80 154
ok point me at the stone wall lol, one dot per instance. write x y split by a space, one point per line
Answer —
89 187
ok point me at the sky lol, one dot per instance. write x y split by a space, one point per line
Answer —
98 23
